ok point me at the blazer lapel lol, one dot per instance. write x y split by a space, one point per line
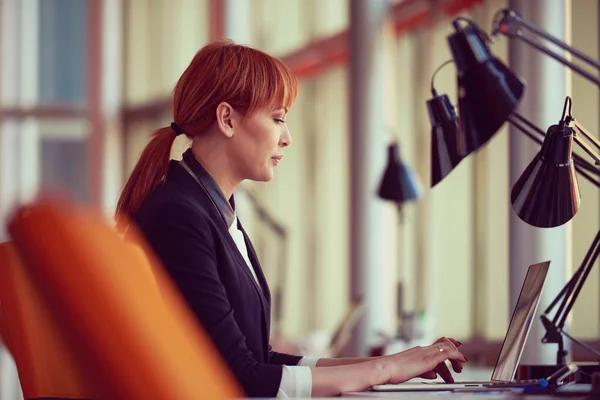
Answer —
179 173
260 286
261 278
245 267
256 264
218 210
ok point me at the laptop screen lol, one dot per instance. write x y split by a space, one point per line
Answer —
520 323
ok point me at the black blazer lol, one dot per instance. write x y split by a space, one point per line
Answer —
187 227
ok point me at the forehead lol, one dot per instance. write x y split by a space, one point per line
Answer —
270 111
279 109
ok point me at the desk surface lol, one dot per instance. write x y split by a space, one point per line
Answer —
472 374
456 396
574 389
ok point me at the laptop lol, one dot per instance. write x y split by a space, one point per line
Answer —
512 347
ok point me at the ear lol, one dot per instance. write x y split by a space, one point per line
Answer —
224 115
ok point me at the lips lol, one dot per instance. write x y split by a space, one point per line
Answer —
276 159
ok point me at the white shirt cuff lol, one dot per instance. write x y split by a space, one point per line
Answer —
308 361
296 382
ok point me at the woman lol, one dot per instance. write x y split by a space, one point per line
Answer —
232 101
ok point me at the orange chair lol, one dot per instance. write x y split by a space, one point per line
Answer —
5 338
45 364
126 323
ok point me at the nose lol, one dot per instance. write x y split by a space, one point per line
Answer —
286 138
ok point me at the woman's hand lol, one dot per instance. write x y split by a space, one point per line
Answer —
355 375
442 369
425 362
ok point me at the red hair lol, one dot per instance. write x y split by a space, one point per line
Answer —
246 78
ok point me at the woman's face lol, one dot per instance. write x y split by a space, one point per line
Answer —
258 143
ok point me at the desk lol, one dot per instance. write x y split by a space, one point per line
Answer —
458 396
572 391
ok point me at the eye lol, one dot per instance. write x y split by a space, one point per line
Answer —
279 121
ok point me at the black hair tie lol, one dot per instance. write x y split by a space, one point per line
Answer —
177 129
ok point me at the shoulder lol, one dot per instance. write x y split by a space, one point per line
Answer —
171 204
177 228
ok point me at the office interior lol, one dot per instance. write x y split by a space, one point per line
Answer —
84 82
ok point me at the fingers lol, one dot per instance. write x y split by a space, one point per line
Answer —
427 362
444 372
455 342
456 365
429 375
446 346
446 350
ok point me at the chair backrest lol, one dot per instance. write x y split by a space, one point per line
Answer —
45 364
128 325
5 338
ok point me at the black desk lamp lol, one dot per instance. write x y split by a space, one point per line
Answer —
550 180
448 147
547 192
398 184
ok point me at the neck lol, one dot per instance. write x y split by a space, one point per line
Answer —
210 153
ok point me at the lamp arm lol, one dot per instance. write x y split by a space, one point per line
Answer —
282 280
586 346
565 292
513 25
588 136
586 267
580 162
569 293
514 20
585 133
281 231
582 166
264 215
586 147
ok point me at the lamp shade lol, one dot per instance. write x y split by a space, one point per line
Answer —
547 193
447 146
399 183
488 91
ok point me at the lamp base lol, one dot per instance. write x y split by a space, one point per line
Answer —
582 375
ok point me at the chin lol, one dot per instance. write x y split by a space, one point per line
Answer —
263 176
267 177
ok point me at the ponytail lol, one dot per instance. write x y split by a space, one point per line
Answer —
148 173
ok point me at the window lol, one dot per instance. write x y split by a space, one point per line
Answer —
61 52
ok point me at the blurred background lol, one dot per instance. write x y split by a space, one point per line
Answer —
84 82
